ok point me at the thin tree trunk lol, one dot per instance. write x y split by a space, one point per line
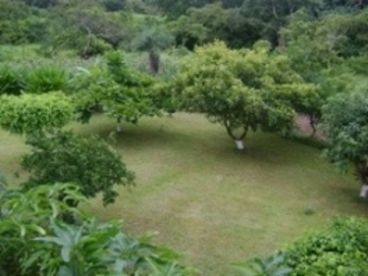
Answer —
154 61
119 127
239 140
313 123
362 173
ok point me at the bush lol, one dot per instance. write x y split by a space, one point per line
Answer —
46 79
11 81
341 249
35 240
31 113
66 157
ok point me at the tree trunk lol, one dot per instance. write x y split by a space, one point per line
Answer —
239 140
154 62
362 172
364 191
119 127
313 123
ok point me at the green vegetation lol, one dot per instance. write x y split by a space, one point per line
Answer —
247 90
200 195
289 76
341 250
64 157
30 113
36 239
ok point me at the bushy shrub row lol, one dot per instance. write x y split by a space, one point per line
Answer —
30 113
39 80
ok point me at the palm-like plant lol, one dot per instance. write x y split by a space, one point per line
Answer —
272 266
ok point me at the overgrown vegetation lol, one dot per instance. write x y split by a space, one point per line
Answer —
35 239
249 65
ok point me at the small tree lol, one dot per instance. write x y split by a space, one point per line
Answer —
30 113
64 157
246 90
123 93
345 120
153 39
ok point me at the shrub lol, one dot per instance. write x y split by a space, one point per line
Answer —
66 157
11 81
30 113
46 79
341 249
34 239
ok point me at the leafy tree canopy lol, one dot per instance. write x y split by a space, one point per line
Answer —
65 157
345 120
248 89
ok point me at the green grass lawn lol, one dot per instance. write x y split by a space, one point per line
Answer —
203 198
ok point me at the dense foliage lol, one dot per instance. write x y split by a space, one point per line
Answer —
64 157
11 81
346 123
123 93
248 89
246 64
339 250
30 113
35 240
46 79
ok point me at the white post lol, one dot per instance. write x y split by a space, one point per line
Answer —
364 191
240 144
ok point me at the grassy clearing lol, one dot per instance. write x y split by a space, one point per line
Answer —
207 200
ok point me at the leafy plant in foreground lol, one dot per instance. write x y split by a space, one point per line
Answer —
341 249
272 266
35 240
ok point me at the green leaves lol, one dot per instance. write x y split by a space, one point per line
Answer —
248 89
66 157
339 250
345 120
46 79
31 113
123 93
11 81
82 248
272 266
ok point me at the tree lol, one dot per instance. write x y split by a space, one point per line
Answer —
31 113
123 93
153 39
64 157
271 15
246 90
345 120
86 27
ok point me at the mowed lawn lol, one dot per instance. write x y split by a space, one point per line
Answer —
208 201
